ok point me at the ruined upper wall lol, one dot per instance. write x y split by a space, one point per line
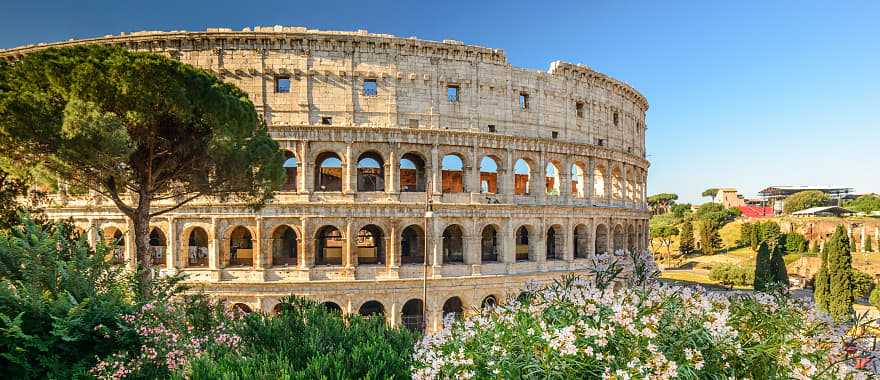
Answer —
327 71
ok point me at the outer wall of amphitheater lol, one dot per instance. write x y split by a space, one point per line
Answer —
529 173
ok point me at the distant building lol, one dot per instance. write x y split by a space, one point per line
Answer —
729 197
776 195
823 211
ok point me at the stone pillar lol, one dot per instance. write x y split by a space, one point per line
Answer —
349 173
473 173
568 249
472 249
506 179
624 186
131 259
392 246
172 258
565 176
608 180
435 244
214 243
589 180
392 180
260 260
508 249
435 171
393 317
92 234
540 183
306 256
591 238
538 248
306 182
348 254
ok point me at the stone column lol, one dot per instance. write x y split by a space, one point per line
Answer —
92 233
540 183
172 258
568 249
473 172
349 173
435 171
214 244
392 246
624 188
472 249
348 259
591 238
538 249
435 241
589 180
506 180
565 176
260 261
306 256
392 180
131 259
304 170
393 317
608 179
508 249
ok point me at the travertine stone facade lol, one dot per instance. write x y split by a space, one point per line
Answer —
530 173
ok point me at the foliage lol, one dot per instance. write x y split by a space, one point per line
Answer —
662 202
55 290
716 214
12 189
117 121
665 234
306 341
681 210
822 283
868 244
777 267
575 329
710 192
731 274
686 243
771 232
795 243
840 276
710 241
815 249
804 200
763 269
875 297
863 284
745 234
865 203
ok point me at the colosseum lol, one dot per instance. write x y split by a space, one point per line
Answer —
411 165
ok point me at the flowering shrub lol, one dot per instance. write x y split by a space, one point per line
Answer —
587 328
171 334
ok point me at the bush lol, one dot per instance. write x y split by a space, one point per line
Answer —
306 341
875 297
732 274
804 200
574 330
865 203
54 291
863 284
795 243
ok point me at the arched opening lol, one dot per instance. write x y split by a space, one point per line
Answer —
555 242
290 169
370 172
578 181
412 315
581 241
279 308
333 307
489 244
412 173
630 186
197 248
328 172
412 245
489 302
489 175
453 306
328 246
157 247
522 244
115 240
616 184
599 181
452 174
522 173
241 247
618 238
370 245
284 246
551 182
242 308
631 238
372 308
601 239
453 240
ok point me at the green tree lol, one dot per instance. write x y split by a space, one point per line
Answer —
686 243
840 275
795 243
770 232
763 268
710 192
822 283
680 210
710 240
755 237
745 234
868 246
665 233
865 203
777 266
815 248
804 200
148 132
660 203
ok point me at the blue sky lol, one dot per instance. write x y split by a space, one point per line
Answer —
744 94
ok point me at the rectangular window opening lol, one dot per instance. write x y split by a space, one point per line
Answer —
555 134
601 142
413 123
326 120
282 84
370 87
453 92
579 108
491 128
523 101
616 119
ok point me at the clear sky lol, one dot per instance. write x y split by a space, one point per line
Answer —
743 94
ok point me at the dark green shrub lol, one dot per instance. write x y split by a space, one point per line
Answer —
863 284
731 274
795 243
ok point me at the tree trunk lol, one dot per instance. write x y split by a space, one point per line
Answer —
141 221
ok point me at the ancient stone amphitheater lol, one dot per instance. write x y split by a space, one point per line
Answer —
528 173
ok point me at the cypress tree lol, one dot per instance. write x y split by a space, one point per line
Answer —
815 247
840 273
709 238
755 237
745 234
821 285
777 266
763 270
868 247
686 245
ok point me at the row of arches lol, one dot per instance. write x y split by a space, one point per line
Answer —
411 315
370 246
371 177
